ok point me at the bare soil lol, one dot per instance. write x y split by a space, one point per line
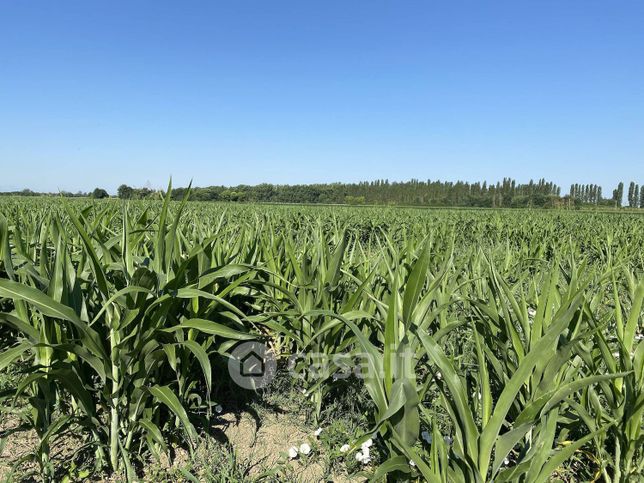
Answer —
265 443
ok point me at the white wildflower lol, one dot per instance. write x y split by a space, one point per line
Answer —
218 409
292 452
411 463
305 449
367 443
318 432
363 458
531 312
344 448
506 461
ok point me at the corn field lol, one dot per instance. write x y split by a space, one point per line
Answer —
497 345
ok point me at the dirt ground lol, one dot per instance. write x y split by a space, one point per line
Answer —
15 444
265 444
268 445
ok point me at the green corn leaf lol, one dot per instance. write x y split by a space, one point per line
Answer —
10 355
212 328
166 396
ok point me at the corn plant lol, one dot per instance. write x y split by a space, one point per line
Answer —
496 345
118 334
525 361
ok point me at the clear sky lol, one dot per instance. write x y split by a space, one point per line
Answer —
99 93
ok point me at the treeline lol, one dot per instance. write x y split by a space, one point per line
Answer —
635 195
504 194
507 193
98 193
589 193
28 192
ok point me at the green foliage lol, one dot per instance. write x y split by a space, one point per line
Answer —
494 345
99 194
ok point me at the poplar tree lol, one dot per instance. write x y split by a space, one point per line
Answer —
631 187
618 194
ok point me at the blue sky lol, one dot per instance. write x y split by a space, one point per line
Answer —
99 93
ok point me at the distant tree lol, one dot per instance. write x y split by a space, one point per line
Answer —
636 196
99 193
125 192
631 187
642 196
618 194
143 193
